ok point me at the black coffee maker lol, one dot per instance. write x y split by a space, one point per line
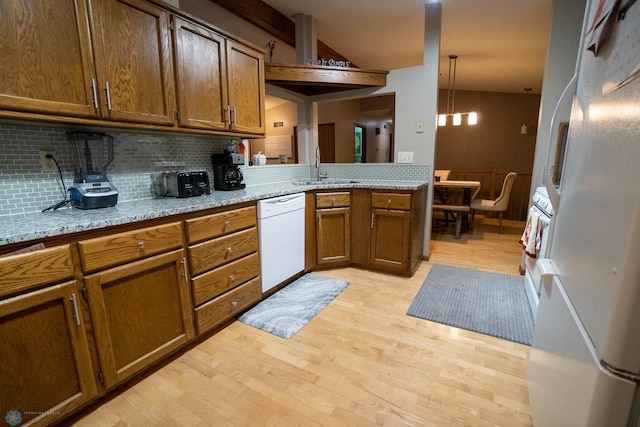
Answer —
226 171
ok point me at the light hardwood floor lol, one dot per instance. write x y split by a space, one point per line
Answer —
362 361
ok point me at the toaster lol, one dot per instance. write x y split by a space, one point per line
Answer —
185 184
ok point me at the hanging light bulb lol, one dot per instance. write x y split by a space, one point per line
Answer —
472 117
523 128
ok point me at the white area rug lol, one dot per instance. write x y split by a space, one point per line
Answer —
288 310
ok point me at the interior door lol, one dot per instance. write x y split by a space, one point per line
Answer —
327 142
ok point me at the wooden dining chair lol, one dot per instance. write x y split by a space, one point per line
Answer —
498 205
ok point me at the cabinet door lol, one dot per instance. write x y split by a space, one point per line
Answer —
45 367
141 312
201 76
47 62
245 77
333 236
133 61
390 231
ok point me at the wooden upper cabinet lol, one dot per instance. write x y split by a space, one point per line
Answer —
220 83
47 61
201 77
246 88
133 61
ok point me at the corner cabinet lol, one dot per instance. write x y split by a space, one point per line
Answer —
333 228
47 61
133 61
139 298
388 229
45 360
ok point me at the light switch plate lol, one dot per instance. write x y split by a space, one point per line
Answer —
405 156
419 126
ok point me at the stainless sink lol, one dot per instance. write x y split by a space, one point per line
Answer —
324 182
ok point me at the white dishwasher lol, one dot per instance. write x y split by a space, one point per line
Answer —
281 237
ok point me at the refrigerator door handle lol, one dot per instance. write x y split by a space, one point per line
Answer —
545 268
554 194
620 372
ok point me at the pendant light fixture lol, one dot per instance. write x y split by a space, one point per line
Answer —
523 127
472 116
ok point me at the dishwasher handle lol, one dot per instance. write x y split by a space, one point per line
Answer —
282 200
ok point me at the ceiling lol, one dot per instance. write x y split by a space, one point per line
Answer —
501 44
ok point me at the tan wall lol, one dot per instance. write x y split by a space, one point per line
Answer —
495 142
489 150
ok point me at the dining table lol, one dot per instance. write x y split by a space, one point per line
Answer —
459 209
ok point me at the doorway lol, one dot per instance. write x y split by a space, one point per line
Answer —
360 143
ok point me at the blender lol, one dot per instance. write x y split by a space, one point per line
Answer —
91 187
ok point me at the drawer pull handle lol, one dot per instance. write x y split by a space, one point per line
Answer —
231 277
76 314
227 224
184 266
389 201
229 250
141 245
234 304
333 201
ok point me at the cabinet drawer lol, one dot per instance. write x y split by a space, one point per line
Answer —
391 201
333 200
213 253
119 248
228 305
22 272
215 225
215 282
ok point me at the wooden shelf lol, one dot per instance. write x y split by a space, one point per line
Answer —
315 80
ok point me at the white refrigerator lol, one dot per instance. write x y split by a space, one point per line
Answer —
584 367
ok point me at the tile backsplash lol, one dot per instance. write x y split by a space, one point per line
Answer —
25 188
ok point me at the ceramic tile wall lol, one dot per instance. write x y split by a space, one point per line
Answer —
24 188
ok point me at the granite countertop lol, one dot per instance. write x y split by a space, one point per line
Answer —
39 225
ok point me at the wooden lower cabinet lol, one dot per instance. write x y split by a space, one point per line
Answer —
141 312
333 236
389 247
227 305
224 265
333 228
45 364
388 229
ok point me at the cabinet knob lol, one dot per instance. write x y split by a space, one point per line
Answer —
231 277
389 201
234 303
227 224
229 250
141 245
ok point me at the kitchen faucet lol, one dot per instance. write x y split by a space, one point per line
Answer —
318 161
320 175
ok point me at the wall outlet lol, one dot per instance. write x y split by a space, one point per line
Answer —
48 165
405 156
419 126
